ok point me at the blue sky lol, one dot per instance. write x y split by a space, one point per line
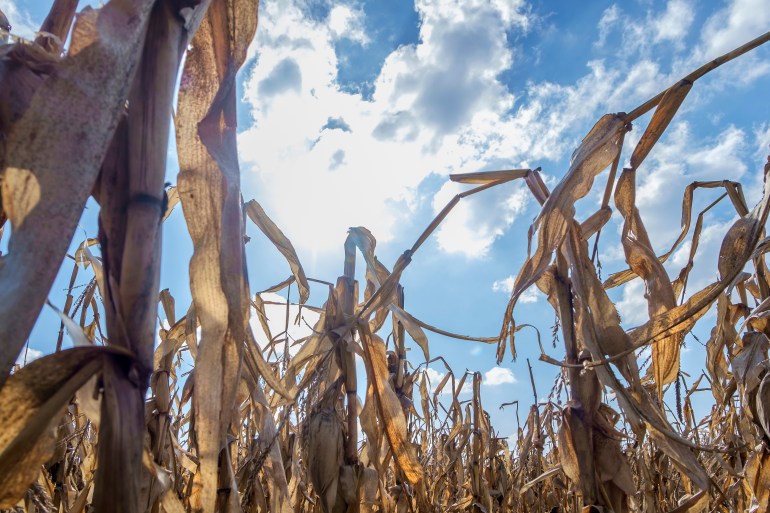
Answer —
355 112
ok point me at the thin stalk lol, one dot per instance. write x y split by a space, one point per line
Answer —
399 335
131 242
698 73
347 286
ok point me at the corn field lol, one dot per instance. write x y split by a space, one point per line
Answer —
205 419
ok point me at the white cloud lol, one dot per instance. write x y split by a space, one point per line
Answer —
640 34
531 295
661 36
477 221
737 23
633 305
499 376
762 144
435 377
754 188
675 21
608 21
345 22
437 107
762 136
20 20
504 285
27 355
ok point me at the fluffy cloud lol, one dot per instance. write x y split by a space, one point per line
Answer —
675 21
531 295
632 307
607 23
21 22
346 22
437 106
435 377
735 24
499 376
28 355
640 34
471 228
762 143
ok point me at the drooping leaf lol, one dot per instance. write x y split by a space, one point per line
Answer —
209 190
597 151
664 113
257 214
389 410
414 329
659 292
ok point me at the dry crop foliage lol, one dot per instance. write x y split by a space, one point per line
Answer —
210 421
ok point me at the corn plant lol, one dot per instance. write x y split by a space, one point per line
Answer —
209 420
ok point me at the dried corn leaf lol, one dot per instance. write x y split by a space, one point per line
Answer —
663 115
389 410
274 465
23 68
53 32
640 411
595 222
746 364
737 248
79 338
368 419
758 477
658 289
611 337
762 402
257 214
622 277
412 327
595 329
265 372
576 450
323 448
366 243
209 189
172 194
